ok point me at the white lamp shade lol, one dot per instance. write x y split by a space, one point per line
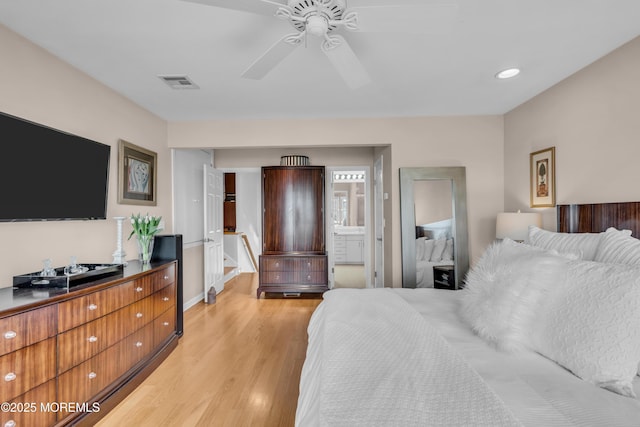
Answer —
515 225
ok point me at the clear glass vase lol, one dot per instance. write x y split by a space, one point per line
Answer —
145 249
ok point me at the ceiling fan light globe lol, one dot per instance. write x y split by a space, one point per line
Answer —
317 25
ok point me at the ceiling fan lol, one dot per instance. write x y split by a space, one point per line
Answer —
323 18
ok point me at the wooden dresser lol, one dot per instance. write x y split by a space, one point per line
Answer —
70 358
294 258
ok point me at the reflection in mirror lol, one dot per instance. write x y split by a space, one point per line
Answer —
434 226
348 204
433 206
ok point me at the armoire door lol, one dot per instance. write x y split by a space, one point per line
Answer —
293 209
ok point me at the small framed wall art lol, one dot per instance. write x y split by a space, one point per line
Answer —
137 175
543 178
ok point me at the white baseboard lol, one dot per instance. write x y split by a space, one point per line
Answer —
193 301
233 273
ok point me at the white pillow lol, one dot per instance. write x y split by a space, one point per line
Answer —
438 249
428 249
435 233
447 255
419 248
618 247
582 244
504 289
590 324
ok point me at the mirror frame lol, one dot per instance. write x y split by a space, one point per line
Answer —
457 176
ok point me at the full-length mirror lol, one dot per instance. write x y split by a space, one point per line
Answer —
433 210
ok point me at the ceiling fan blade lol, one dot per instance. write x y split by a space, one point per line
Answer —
272 57
260 7
346 62
435 18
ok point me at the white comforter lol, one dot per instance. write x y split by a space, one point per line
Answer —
374 361
537 391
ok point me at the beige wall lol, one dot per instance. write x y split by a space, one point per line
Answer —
39 87
593 120
473 142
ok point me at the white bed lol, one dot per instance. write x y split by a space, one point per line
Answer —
370 360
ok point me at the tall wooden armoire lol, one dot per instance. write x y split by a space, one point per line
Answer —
294 257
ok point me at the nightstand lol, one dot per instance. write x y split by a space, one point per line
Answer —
444 277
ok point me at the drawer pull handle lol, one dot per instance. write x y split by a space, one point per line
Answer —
139 289
277 264
139 344
165 299
309 277
139 315
93 307
10 377
10 423
10 334
165 323
92 338
166 277
92 375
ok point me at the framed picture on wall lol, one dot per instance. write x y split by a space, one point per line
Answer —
543 178
137 175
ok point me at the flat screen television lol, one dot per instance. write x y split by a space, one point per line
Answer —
46 174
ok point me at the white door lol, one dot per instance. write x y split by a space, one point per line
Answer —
213 233
378 200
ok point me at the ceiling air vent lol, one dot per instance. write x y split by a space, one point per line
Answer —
179 82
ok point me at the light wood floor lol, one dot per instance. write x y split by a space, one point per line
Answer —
238 364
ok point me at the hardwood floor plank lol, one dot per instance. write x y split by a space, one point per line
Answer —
238 364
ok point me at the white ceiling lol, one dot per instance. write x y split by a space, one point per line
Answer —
126 44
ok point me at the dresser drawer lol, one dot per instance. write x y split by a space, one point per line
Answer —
163 326
81 343
136 346
27 368
92 306
306 264
87 379
164 299
139 314
271 263
310 277
27 328
84 381
164 277
277 277
25 410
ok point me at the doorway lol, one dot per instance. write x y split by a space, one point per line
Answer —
348 227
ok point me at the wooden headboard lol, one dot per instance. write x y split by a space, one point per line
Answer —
596 217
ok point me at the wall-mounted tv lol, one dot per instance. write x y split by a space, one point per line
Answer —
46 174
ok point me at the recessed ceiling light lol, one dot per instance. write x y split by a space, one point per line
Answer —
508 73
